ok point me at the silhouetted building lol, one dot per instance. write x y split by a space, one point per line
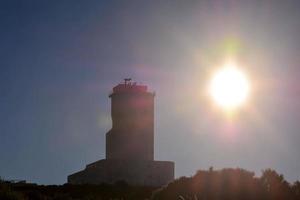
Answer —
130 143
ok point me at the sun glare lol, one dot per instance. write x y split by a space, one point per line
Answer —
229 87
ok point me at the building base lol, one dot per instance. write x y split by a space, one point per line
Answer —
140 173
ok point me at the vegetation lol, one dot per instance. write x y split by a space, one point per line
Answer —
118 191
231 184
7 193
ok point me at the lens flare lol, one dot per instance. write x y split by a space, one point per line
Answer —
229 87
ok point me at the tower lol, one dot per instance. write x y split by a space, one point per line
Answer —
129 143
132 113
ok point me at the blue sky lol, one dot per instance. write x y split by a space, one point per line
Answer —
60 59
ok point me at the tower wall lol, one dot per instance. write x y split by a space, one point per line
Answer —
146 173
132 133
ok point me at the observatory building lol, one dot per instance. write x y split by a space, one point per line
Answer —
129 143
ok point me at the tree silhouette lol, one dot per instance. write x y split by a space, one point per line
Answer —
233 184
275 185
225 184
296 190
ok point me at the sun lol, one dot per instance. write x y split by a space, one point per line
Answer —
229 87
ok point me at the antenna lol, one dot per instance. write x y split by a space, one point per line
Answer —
127 80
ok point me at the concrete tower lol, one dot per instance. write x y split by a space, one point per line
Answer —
129 143
132 133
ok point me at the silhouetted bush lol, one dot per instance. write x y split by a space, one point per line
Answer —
225 184
233 184
120 190
6 192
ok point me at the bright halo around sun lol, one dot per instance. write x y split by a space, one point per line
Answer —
229 87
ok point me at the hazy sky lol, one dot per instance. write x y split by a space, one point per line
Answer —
60 59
